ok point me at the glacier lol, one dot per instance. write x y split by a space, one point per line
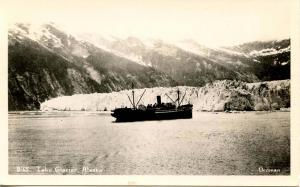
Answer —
224 95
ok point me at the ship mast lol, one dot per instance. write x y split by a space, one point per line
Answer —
182 98
141 97
178 101
133 103
174 102
178 97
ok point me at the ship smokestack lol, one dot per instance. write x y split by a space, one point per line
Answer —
158 100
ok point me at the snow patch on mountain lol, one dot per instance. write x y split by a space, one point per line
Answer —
269 51
106 43
80 51
230 51
93 73
34 32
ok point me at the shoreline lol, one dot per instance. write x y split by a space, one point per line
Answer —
108 112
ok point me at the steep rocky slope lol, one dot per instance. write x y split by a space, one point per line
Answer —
44 63
223 95
36 74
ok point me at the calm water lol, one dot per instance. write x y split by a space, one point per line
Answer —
90 143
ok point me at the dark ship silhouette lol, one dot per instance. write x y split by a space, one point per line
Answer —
157 111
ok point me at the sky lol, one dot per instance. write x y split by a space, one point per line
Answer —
210 22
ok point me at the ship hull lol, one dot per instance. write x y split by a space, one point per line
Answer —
127 115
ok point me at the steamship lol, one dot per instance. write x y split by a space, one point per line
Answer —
157 111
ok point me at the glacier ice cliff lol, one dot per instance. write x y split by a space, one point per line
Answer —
224 95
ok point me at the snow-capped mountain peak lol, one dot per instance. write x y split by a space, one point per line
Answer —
38 33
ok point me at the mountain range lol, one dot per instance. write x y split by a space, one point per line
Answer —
46 61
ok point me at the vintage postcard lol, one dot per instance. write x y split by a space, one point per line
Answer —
197 92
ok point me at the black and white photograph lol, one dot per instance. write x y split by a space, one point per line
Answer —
181 88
